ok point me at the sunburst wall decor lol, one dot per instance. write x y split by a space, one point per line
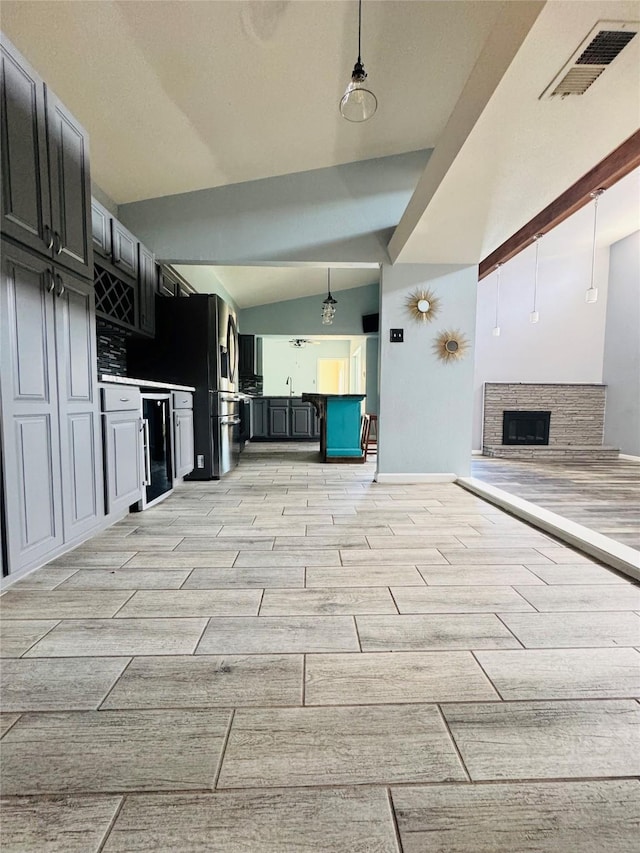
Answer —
450 345
423 305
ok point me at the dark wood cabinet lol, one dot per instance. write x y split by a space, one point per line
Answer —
148 278
45 168
259 417
167 283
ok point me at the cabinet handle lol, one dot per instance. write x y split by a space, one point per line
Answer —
48 237
124 399
60 290
52 282
57 240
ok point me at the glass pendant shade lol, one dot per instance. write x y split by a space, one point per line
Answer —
591 295
496 331
328 304
358 102
534 317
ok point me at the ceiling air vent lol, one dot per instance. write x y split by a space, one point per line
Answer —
598 50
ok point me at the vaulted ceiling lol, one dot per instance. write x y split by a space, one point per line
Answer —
180 96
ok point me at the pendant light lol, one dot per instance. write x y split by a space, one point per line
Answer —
592 293
358 102
328 304
534 316
496 329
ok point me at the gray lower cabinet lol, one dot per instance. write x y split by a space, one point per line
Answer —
123 459
183 441
280 418
50 414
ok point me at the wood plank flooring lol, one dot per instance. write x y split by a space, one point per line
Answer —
603 496
298 660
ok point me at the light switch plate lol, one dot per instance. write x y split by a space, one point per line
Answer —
396 336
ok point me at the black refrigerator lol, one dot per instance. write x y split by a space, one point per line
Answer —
196 343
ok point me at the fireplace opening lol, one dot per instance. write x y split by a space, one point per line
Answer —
525 427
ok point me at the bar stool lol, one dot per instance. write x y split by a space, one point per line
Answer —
369 435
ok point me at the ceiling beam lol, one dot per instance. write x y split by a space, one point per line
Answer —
619 163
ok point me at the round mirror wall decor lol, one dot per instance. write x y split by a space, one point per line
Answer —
450 345
423 305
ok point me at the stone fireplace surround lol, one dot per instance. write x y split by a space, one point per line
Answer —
577 420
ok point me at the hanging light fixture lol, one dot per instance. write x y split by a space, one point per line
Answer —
358 103
592 293
328 304
496 329
534 316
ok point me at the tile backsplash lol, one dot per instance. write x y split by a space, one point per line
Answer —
112 349
251 385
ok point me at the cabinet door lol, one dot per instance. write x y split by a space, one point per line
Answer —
26 212
183 441
147 291
70 188
124 248
259 420
31 444
246 361
123 460
301 420
101 229
80 451
278 421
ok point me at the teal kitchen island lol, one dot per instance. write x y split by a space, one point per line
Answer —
340 418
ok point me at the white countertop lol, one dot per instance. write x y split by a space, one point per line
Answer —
143 383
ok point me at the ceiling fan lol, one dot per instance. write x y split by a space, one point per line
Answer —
300 343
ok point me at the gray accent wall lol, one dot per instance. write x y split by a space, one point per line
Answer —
425 403
338 214
373 375
621 371
304 316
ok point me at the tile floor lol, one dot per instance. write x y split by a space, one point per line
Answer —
296 659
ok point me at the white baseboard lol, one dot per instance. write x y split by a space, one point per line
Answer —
413 479
628 457
476 453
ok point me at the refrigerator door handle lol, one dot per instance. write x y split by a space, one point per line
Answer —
147 453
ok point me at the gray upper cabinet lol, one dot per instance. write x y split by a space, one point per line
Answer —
124 248
70 183
25 174
101 229
148 278
45 168
50 436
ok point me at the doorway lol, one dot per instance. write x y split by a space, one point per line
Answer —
333 376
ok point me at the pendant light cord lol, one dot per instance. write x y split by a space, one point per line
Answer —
596 197
535 277
359 27
497 293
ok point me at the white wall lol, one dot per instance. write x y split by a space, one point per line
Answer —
280 359
622 347
425 404
566 345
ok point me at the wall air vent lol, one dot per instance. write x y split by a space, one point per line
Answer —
596 52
